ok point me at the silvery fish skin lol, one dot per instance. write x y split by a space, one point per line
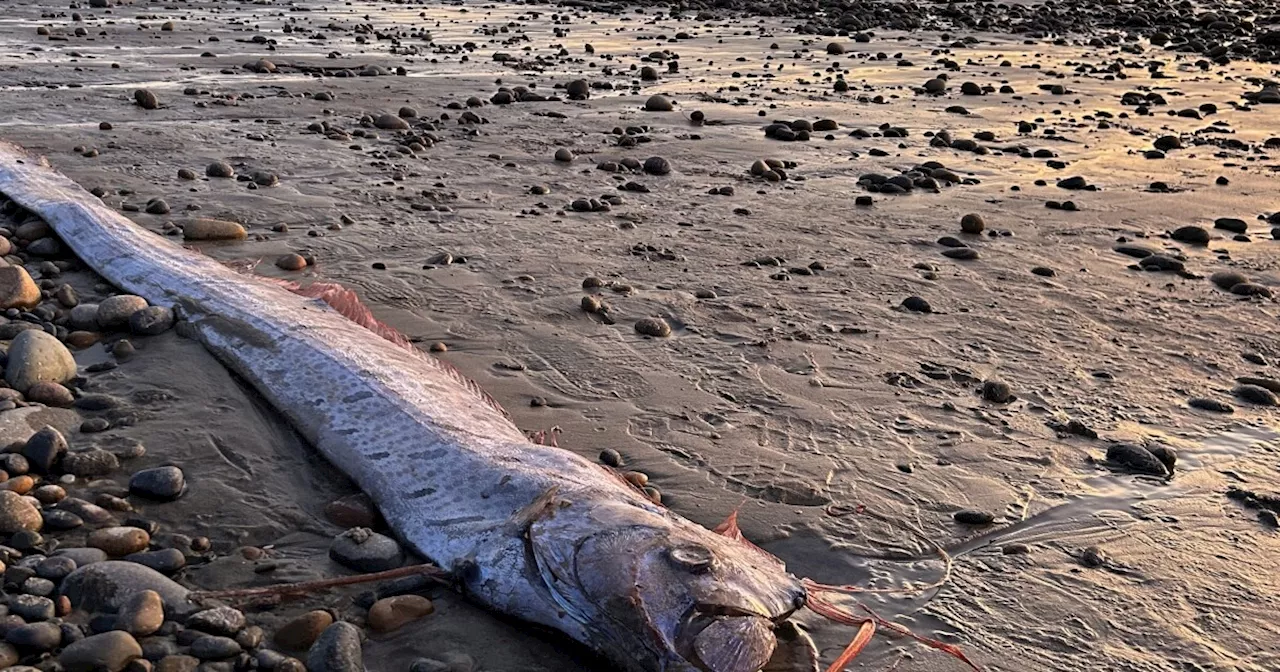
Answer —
532 531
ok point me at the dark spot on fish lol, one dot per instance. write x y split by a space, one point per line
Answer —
351 398
380 455
418 494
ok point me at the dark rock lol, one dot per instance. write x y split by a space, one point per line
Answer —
364 550
107 652
1136 458
106 585
337 650
971 517
159 483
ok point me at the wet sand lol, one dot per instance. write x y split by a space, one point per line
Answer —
800 399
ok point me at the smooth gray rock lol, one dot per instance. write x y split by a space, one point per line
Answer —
337 650
107 652
106 585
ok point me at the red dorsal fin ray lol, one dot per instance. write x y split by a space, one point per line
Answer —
729 528
349 305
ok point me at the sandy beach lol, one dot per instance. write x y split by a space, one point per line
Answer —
857 378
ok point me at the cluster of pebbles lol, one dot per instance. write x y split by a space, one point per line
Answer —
88 579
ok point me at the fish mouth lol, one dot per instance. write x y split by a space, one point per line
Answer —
727 638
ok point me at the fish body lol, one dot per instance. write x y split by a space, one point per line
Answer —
532 531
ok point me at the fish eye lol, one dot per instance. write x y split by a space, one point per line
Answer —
692 557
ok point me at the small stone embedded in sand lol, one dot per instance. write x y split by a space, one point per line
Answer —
997 391
119 541
392 613
564 155
648 74
390 122
17 289
917 304
1227 279
656 165
658 103
611 458
225 621
159 483
1136 458
213 229
36 356
935 85
578 89
1211 405
653 326
220 169
146 99
291 262
302 632
265 178
364 550
592 304
186 174
1254 394
972 223
972 517
1093 557
1196 235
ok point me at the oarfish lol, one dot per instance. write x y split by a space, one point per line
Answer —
526 529
529 530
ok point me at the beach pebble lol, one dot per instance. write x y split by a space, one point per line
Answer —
653 326
564 155
31 607
108 652
33 356
141 614
917 304
105 585
1254 394
337 650
165 560
151 320
611 458
17 289
972 517
291 262
212 647
213 229
302 632
391 613
44 449
224 621
352 511
90 463
972 223
658 103
119 541
50 394
220 169
1136 458
363 550
160 483
178 663
42 636
114 312
1093 557
656 165
146 99
390 122
84 317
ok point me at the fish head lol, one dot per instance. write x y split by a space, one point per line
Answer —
658 593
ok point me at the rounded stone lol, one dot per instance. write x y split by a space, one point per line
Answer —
212 647
220 169
151 320
302 632
201 228
392 613
107 652
35 636
114 312
50 394
972 223
160 483
337 650
90 463
658 103
653 326
17 289
364 550
35 355
390 122
119 541
142 614
17 513
218 620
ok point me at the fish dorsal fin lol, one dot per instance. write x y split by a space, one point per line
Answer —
349 305
729 528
